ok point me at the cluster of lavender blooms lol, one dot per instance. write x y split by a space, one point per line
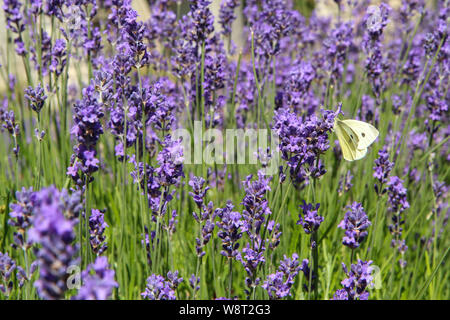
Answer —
9 123
278 285
22 212
355 224
376 20
311 220
158 288
156 181
303 140
55 235
227 15
7 267
97 226
15 22
206 215
255 219
98 281
87 129
359 279
309 276
36 97
28 210
381 171
230 232
398 203
194 283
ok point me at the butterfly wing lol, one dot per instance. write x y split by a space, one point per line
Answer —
348 147
350 133
365 132
360 153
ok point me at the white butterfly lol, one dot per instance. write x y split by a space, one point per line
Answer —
354 137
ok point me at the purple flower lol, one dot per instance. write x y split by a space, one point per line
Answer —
308 273
278 285
87 129
355 224
54 8
202 20
275 234
160 289
358 279
303 140
36 97
297 87
55 235
159 107
382 170
22 275
376 20
337 45
58 57
398 203
206 221
22 213
16 23
368 111
8 122
132 33
7 267
170 161
311 220
269 26
227 16
256 207
397 195
199 192
340 294
98 281
230 224
251 259
194 282
162 24
97 226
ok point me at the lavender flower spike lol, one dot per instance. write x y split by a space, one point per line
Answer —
97 226
355 224
359 278
55 235
311 220
98 281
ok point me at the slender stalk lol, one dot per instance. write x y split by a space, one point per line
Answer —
231 115
230 277
255 74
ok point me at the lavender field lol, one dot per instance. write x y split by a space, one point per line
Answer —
168 149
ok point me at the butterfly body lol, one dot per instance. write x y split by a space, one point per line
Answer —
354 137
